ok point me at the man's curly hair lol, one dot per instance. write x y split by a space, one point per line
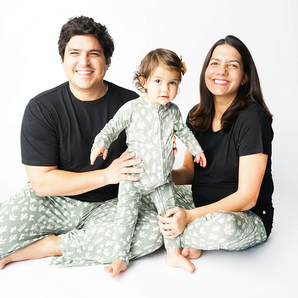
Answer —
86 26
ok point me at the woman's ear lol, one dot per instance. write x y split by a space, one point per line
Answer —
244 80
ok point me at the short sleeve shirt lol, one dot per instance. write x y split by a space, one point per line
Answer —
251 133
58 130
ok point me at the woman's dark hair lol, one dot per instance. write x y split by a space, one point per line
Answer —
202 114
86 26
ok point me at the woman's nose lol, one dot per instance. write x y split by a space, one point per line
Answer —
223 70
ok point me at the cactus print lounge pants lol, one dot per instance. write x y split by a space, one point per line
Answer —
86 228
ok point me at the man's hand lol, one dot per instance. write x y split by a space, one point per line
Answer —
122 168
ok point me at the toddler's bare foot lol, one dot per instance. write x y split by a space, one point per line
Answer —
191 253
115 268
177 260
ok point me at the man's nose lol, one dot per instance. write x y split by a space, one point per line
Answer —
84 59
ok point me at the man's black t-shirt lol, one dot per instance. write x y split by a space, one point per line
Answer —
251 133
58 130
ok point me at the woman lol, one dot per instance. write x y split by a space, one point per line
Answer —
233 194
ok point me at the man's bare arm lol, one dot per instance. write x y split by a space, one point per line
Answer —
50 181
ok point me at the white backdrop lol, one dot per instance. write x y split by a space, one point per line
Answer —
30 62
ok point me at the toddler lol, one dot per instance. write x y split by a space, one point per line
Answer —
150 123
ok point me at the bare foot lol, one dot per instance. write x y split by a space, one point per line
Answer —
115 268
3 262
191 253
46 247
175 259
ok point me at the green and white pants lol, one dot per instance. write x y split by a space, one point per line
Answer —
86 229
129 198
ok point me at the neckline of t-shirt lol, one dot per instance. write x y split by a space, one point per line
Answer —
90 102
215 132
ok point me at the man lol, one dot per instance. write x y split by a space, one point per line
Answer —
66 195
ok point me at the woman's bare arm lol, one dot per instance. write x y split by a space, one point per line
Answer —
251 173
185 174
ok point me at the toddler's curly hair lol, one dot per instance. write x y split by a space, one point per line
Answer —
159 57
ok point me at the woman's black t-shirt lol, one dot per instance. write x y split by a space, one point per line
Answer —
58 130
251 133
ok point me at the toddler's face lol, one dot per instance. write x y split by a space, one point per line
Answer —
162 86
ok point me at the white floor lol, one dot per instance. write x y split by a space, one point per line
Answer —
268 270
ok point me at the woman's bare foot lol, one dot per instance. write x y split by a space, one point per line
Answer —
175 259
191 253
46 247
115 268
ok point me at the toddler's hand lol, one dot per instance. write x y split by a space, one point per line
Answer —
175 150
201 158
98 151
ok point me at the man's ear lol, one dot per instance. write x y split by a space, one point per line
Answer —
109 63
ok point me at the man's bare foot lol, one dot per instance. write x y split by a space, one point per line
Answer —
46 247
175 259
115 268
3 262
191 253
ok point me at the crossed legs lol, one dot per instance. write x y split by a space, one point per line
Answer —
46 247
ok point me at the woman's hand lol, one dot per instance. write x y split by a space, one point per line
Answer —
173 223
